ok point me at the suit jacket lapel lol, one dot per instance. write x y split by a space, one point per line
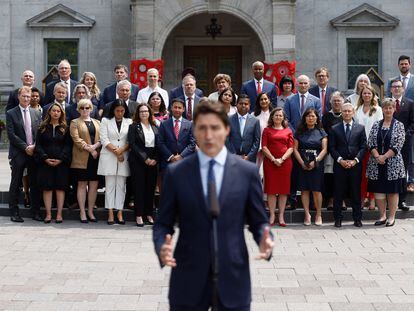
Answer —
198 185
246 124
227 182
112 124
236 123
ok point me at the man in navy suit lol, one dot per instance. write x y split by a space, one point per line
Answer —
347 146
28 79
244 137
64 71
60 91
297 104
178 92
259 85
189 97
22 125
404 112
404 65
176 136
322 90
109 93
211 183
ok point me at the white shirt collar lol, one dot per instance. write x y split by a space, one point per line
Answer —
240 116
261 81
23 109
220 158
179 119
306 95
408 76
399 98
350 123
320 89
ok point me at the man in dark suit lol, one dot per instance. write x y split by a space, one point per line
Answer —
178 92
404 112
59 94
176 136
189 97
259 85
297 104
22 124
407 79
28 79
123 89
109 94
244 138
64 71
347 146
211 186
322 90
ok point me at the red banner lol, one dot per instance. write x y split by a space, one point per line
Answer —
139 68
275 72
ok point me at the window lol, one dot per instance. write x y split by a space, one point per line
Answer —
362 55
56 50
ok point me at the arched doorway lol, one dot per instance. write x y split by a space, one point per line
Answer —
232 52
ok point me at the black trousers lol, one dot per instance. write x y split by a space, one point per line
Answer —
347 182
144 180
17 168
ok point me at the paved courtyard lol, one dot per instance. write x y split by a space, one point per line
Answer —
97 267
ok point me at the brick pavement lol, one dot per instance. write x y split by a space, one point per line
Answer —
96 267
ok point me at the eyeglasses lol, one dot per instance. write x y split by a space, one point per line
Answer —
85 108
396 86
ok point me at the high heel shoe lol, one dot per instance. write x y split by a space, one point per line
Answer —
390 224
92 219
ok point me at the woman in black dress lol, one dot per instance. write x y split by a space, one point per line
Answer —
143 160
311 145
385 170
53 154
85 152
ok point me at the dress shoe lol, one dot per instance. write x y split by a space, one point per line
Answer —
83 221
37 217
27 202
110 222
140 225
403 206
92 219
380 222
329 208
318 221
120 222
58 221
307 223
282 224
390 224
16 218
358 223
47 221
338 223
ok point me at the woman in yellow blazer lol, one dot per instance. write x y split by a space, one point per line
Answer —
85 152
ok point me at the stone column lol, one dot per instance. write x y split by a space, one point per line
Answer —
6 84
284 12
142 32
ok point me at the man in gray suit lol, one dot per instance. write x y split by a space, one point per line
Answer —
123 89
407 79
244 137
22 124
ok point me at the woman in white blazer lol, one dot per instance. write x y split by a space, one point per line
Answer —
113 162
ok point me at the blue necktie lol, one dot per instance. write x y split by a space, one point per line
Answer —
348 131
212 190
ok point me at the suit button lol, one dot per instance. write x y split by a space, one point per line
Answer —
118 139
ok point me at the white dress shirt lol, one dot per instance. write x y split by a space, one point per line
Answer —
145 93
218 168
149 135
68 86
405 79
261 84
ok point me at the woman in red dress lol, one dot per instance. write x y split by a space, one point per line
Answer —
277 147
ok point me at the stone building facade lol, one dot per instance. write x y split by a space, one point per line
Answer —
346 36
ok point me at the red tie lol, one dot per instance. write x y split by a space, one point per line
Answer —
189 110
323 101
397 106
259 87
176 128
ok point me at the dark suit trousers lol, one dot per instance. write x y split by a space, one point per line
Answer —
17 167
144 180
347 179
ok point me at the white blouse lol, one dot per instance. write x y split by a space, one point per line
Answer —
366 120
149 135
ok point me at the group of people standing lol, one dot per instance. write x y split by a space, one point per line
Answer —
314 141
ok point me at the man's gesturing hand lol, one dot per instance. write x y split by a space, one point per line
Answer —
166 252
266 245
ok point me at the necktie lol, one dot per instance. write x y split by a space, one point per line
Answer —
323 101
176 128
242 122
404 80
259 87
28 127
348 131
189 110
302 104
397 106
211 190
68 89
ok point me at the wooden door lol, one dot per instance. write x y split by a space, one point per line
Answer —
211 60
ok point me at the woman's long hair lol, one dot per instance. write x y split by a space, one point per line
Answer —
257 108
62 119
136 119
163 108
302 127
373 104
